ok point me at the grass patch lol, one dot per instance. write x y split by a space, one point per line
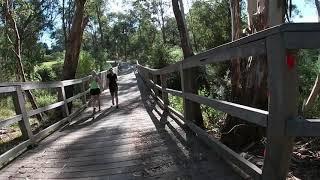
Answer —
6 113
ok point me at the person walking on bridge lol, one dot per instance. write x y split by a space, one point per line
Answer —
95 91
113 86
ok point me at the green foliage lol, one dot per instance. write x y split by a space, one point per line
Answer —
210 116
176 102
6 113
160 56
101 58
86 64
45 97
49 71
6 107
32 18
308 69
175 54
210 24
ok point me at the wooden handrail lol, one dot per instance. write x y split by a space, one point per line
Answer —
280 120
23 115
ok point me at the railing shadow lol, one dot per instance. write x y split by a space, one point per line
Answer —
179 140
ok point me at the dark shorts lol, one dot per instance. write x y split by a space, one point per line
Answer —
95 91
113 90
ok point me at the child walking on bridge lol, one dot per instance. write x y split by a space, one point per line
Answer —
95 91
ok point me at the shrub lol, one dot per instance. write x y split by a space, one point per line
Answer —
49 71
6 113
46 100
176 103
86 64
45 97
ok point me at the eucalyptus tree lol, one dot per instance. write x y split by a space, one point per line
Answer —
249 75
24 20
73 42
193 112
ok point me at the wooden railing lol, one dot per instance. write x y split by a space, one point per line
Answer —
22 115
281 120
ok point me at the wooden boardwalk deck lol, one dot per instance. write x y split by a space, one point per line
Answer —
136 141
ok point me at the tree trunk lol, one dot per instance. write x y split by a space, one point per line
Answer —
98 12
64 26
249 88
162 23
192 109
316 87
182 27
74 45
17 51
317 3
235 63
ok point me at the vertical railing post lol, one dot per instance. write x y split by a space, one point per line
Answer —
143 75
283 93
165 98
62 97
20 108
155 80
83 89
104 80
187 106
148 78
183 91
192 110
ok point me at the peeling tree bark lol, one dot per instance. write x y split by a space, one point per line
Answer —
249 77
235 63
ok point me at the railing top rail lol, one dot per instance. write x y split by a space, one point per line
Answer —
250 45
7 89
10 86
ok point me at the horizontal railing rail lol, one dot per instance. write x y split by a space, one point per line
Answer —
16 90
281 120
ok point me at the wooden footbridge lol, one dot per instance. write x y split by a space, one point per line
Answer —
147 139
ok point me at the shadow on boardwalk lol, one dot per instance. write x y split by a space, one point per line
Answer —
137 141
